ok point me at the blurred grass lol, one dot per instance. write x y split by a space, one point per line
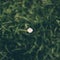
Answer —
16 16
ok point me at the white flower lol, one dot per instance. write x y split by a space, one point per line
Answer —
29 30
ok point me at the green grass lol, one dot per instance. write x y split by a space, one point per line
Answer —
16 16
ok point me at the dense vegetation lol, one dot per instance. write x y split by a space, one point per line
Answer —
16 16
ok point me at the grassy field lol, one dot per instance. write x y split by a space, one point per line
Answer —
16 16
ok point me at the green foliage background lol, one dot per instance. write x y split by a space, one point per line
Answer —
16 16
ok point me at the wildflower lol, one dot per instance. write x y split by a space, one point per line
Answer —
29 30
